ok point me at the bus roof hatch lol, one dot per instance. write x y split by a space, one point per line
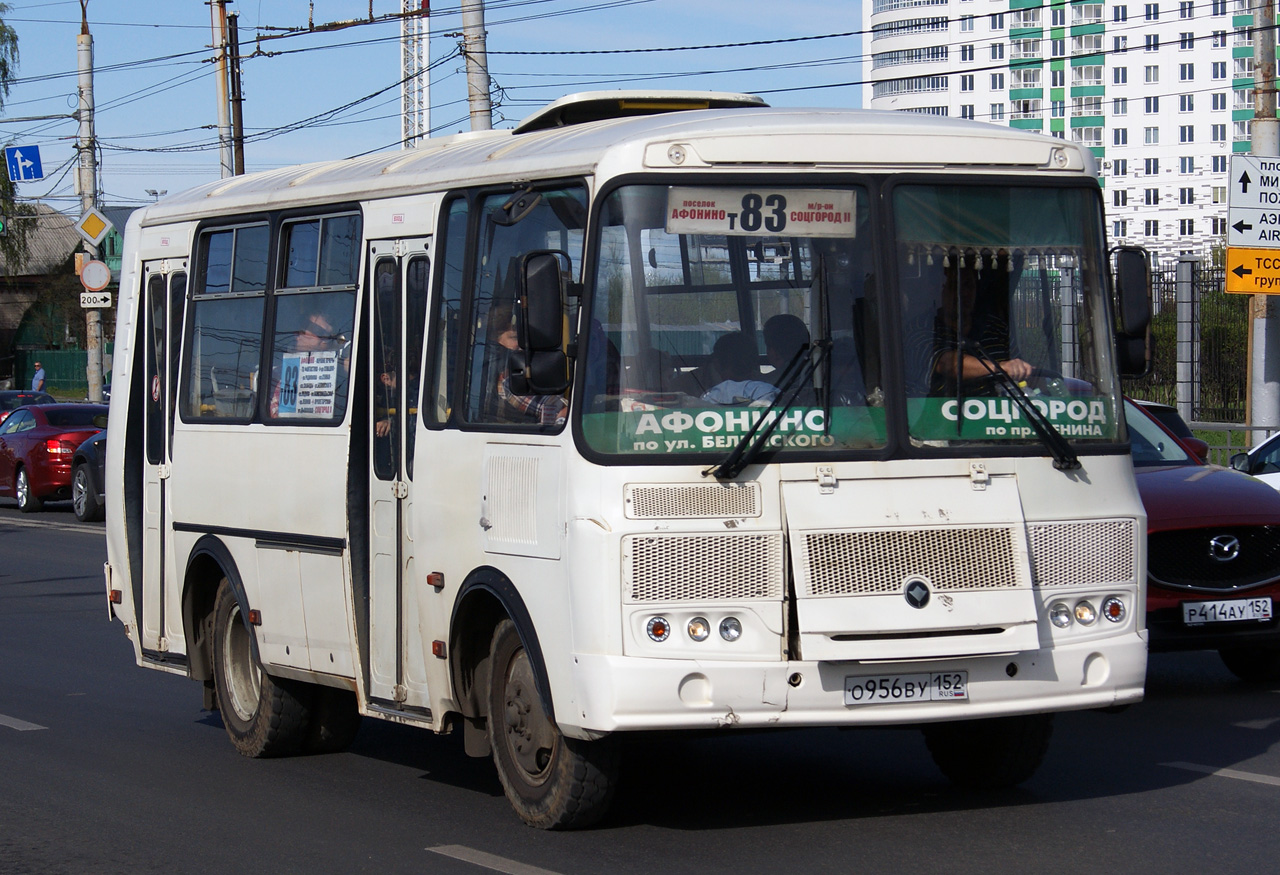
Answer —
591 106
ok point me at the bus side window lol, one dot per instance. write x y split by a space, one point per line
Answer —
512 227
220 372
311 356
448 317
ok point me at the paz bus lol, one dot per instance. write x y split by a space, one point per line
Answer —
731 417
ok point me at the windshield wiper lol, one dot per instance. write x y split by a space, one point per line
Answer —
789 386
1064 459
749 447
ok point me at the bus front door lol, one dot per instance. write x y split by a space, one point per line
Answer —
400 272
165 285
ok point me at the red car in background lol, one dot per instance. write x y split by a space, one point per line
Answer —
1213 553
12 399
36 446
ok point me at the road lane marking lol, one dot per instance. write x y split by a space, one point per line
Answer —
20 725
1226 773
1257 724
489 861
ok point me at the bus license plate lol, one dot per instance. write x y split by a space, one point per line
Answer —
1226 611
893 689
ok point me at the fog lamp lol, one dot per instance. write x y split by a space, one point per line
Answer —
699 628
730 629
1113 608
1060 615
1085 614
659 629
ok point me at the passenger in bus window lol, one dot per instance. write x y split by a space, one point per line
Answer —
735 372
784 335
545 409
306 347
958 327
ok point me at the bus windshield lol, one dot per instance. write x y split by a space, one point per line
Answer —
717 307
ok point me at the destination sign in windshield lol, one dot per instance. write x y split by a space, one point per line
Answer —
760 211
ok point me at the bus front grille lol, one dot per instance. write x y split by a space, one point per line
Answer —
680 501
666 568
880 561
1084 552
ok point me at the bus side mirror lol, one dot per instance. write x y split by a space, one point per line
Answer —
1133 289
1133 298
540 325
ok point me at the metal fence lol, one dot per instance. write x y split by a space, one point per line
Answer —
1199 345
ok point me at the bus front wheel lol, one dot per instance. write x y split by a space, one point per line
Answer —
264 716
992 754
552 781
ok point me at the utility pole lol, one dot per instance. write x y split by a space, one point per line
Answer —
87 185
1264 392
415 74
218 13
237 96
473 48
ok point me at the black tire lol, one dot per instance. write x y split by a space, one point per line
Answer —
552 781
335 720
1256 665
27 500
84 496
264 716
991 754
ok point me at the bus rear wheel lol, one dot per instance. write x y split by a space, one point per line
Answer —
264 716
552 781
992 754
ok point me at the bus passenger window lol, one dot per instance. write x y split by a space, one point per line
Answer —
311 356
221 372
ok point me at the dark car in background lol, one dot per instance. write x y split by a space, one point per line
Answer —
12 399
1168 416
88 478
36 446
1213 553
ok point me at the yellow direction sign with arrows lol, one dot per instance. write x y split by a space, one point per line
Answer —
1253 271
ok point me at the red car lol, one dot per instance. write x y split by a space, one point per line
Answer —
1213 554
36 446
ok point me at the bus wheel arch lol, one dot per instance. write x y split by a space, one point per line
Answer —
485 599
208 565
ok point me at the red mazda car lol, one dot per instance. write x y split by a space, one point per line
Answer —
36 446
1213 553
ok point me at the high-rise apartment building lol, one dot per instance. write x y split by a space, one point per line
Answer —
1160 91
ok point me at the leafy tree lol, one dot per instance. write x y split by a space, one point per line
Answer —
13 246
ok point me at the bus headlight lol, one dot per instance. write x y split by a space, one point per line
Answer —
1113 608
699 629
658 628
730 628
1060 614
1085 614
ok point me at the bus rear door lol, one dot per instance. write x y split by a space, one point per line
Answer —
400 271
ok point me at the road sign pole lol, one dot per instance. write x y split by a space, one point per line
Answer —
88 179
1264 322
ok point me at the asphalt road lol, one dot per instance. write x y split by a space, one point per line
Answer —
107 767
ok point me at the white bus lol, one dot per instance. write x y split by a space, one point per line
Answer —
730 417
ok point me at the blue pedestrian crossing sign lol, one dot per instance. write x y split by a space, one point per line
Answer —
24 163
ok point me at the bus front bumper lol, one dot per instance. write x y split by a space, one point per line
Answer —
619 694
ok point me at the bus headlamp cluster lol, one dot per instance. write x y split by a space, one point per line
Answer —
698 629
1083 612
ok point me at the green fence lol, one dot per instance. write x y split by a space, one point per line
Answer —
65 371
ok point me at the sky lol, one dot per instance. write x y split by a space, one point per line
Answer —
311 95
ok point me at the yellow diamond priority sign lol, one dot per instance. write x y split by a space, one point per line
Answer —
93 226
